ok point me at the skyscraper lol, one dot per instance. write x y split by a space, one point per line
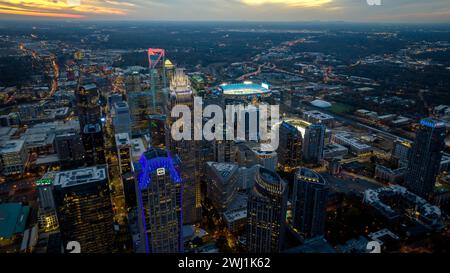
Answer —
158 77
89 116
313 143
121 118
159 203
290 146
425 157
88 106
158 130
309 203
266 212
126 168
94 144
181 94
139 103
69 148
83 203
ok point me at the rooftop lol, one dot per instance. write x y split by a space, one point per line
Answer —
433 123
80 176
13 217
12 146
245 89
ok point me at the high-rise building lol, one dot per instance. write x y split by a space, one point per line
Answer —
223 183
139 103
313 143
158 78
401 151
158 130
89 116
93 142
121 118
267 159
83 203
13 157
88 106
126 168
47 216
425 157
181 94
290 146
69 148
309 199
123 145
159 203
266 213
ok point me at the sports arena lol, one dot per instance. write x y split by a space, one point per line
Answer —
247 90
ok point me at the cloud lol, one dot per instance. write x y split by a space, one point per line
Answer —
233 10
63 8
289 3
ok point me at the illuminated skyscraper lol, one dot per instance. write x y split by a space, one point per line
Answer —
159 203
158 130
140 104
94 144
126 168
89 116
69 148
84 208
88 106
121 118
313 143
425 157
266 213
290 146
309 203
158 78
181 94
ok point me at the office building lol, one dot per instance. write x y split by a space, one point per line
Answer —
140 104
181 94
158 131
83 203
223 184
159 203
309 200
121 118
126 168
313 143
69 148
425 157
290 146
94 144
266 213
88 106
13 157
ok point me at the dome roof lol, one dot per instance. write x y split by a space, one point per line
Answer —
321 103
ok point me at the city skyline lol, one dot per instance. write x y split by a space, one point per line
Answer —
436 11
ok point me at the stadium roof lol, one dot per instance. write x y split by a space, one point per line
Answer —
245 89
321 103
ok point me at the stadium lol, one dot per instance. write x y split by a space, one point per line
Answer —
245 90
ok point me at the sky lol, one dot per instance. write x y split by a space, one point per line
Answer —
403 11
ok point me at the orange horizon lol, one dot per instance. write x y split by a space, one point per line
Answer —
42 14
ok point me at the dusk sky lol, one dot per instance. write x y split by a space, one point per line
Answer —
408 11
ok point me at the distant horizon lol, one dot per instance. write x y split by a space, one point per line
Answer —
43 20
357 11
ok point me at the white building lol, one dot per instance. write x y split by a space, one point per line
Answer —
13 157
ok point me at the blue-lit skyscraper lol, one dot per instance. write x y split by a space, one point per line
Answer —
159 202
425 157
